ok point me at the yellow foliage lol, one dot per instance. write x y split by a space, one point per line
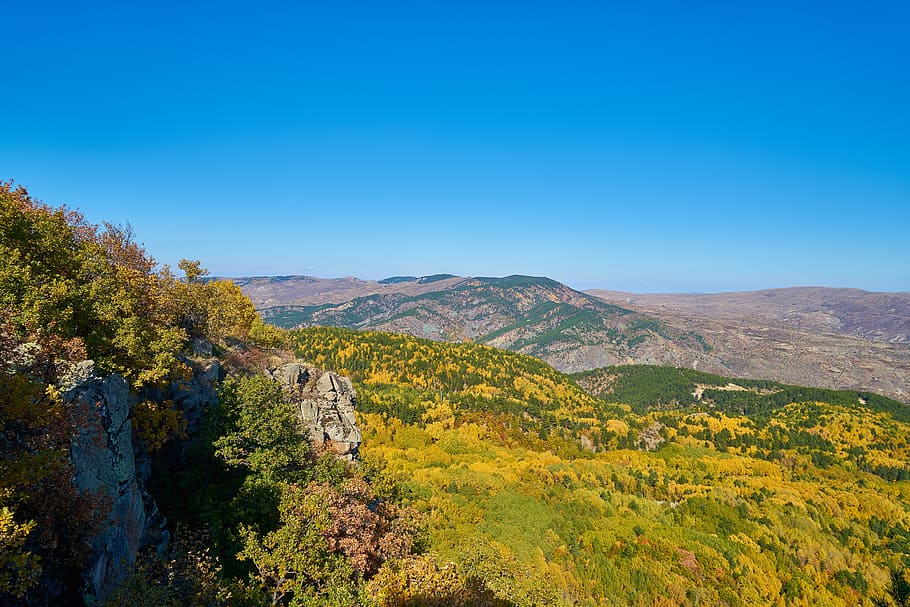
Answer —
19 568
265 335
158 422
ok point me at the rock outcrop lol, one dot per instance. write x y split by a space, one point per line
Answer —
109 463
326 404
650 438
104 464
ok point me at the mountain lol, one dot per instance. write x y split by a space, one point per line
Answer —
269 291
867 315
832 338
835 338
532 315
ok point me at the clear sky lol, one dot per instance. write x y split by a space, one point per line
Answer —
636 145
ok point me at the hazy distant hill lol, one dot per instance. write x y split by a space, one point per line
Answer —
269 291
836 338
853 312
538 316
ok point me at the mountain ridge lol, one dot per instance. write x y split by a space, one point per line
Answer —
792 335
533 315
871 315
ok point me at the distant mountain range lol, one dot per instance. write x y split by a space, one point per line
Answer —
834 338
851 312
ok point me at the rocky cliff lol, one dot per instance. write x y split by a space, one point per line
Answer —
104 464
110 462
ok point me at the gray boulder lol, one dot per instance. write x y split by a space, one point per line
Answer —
292 376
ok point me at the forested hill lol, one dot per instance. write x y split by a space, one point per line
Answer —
650 387
570 330
777 416
409 378
149 457
801 503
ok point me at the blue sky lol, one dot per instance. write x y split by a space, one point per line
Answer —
639 145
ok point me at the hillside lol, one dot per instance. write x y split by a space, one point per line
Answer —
867 315
835 338
766 403
800 503
410 379
537 316
649 387
152 453
161 445
832 338
269 291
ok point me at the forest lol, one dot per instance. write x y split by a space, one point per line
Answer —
785 505
485 477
